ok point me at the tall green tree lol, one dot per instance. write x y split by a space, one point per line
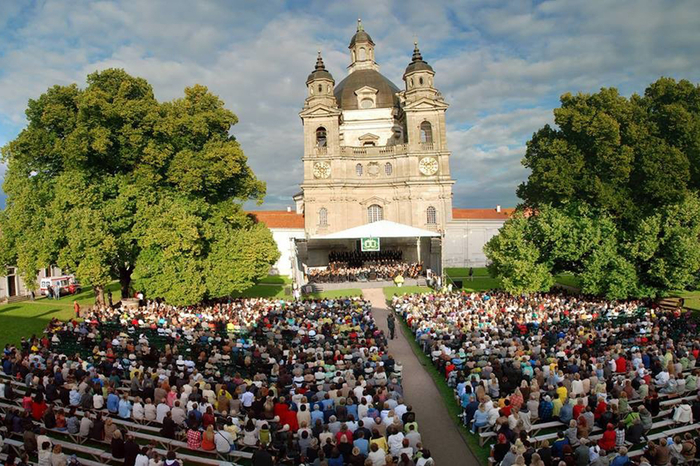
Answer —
106 182
613 193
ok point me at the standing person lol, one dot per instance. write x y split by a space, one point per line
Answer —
57 291
76 308
131 450
49 291
109 297
391 323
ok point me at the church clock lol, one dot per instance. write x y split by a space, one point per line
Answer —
322 170
428 166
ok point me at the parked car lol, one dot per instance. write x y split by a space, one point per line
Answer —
67 285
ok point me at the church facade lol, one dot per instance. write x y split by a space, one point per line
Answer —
374 151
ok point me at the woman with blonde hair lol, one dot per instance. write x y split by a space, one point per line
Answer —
208 438
536 460
516 400
58 458
110 429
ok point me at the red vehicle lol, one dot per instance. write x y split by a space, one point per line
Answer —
67 285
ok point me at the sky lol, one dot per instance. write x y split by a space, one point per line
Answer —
501 65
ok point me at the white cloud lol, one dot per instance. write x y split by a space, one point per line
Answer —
501 65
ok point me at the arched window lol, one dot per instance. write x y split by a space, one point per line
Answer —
375 213
358 169
368 144
420 81
388 169
432 215
363 54
426 132
320 88
322 217
321 137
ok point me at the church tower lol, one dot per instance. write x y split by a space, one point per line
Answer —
372 151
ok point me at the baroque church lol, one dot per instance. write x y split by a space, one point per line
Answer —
377 154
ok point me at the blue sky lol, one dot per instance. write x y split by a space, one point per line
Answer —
501 65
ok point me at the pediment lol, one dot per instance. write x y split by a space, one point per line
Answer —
368 137
364 90
374 200
319 110
426 104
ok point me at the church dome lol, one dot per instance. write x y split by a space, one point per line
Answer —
360 37
386 90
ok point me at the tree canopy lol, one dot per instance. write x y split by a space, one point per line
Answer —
612 196
109 183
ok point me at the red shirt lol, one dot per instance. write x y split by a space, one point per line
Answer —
621 364
38 410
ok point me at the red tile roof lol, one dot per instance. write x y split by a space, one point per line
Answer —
482 214
279 218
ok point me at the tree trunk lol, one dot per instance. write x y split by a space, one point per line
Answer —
125 281
99 295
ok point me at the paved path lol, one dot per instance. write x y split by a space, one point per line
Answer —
438 431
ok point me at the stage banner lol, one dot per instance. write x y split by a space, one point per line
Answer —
370 244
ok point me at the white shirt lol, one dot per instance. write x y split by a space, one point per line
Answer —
247 399
141 460
138 412
161 411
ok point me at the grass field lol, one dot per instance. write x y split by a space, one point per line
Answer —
568 279
26 318
463 272
692 299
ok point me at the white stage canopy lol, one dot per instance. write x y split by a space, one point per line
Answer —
380 229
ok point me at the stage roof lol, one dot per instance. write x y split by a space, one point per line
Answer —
380 229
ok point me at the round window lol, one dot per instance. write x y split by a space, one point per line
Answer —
366 103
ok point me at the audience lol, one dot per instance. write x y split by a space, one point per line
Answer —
294 381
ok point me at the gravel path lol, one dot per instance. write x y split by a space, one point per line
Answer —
438 431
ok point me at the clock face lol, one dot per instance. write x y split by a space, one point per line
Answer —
322 170
428 166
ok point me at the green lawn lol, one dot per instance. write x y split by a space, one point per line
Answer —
463 272
568 279
27 318
692 299
276 280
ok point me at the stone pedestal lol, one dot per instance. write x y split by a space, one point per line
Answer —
130 303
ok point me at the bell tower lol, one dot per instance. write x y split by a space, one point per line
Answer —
320 114
424 109
424 106
361 50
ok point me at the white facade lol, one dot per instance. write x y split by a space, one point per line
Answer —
13 286
376 127
463 244
284 237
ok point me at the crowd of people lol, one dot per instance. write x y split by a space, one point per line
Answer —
599 368
360 258
384 270
295 382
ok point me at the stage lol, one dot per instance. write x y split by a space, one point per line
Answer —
317 287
